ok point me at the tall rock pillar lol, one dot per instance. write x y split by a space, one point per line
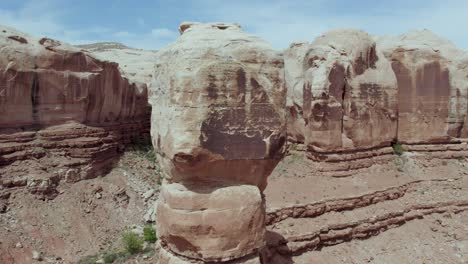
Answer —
218 125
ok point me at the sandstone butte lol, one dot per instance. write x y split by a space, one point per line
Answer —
224 104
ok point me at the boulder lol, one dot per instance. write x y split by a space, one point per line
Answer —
211 225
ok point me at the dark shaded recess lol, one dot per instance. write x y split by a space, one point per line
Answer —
235 145
19 39
241 84
35 97
432 80
404 83
364 62
234 135
258 93
337 79
211 89
307 100
323 114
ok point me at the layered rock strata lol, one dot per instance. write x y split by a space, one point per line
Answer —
63 113
218 125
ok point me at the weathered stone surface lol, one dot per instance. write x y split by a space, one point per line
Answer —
432 86
348 92
135 64
63 113
219 94
212 224
218 125
341 93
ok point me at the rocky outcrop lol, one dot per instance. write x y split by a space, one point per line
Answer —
350 96
135 64
63 113
341 93
218 125
432 87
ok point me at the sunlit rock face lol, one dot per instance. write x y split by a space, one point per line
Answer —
218 125
341 93
63 113
45 82
432 86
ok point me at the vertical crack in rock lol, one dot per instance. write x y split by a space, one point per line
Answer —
35 96
343 95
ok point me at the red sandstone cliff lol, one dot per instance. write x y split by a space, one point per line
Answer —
63 113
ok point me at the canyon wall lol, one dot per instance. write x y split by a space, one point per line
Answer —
219 128
351 96
63 113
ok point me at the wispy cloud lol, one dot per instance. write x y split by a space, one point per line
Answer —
279 22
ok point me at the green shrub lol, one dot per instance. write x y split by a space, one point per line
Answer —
132 243
109 257
398 148
149 234
144 146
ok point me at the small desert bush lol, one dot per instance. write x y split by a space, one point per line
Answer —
149 234
398 148
132 242
144 147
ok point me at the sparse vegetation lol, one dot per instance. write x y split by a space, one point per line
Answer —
132 242
149 234
143 146
398 148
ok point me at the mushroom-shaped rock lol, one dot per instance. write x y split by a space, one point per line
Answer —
218 126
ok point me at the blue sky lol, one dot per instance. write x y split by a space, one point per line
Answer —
153 24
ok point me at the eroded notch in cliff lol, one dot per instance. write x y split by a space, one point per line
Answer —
35 96
343 95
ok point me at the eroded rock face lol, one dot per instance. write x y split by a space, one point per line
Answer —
432 86
135 64
348 92
218 124
62 107
341 93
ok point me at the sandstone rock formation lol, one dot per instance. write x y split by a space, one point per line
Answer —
63 113
341 93
353 95
218 125
135 64
432 87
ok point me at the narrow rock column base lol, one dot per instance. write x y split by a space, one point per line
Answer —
210 221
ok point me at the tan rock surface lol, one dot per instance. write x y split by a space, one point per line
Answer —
218 101
212 218
341 93
432 86
218 124
135 64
